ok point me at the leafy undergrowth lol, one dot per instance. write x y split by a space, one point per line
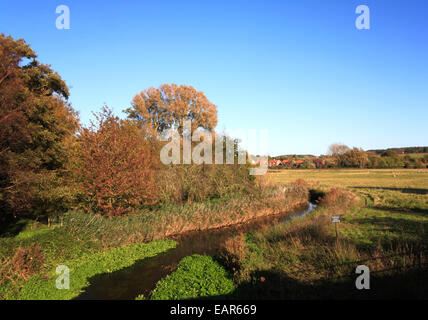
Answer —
43 285
196 276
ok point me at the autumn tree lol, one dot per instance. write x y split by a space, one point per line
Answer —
337 152
337 149
170 105
355 158
35 123
115 165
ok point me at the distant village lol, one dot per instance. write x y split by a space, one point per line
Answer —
345 157
294 161
313 162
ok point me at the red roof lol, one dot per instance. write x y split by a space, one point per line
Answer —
299 161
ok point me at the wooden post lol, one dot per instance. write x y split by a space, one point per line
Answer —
336 220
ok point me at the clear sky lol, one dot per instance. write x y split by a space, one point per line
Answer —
300 69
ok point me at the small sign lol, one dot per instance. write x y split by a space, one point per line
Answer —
335 219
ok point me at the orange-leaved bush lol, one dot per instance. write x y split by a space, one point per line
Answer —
115 166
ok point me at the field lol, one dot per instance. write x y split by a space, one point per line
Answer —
389 192
357 178
396 200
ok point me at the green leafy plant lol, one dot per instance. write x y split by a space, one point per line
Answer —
196 276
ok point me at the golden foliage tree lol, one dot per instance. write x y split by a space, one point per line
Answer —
169 105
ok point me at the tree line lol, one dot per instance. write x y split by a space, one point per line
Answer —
342 156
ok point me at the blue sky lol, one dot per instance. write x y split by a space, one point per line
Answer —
300 69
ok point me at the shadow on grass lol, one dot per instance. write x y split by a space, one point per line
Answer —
418 211
127 283
271 285
401 226
11 227
413 231
403 190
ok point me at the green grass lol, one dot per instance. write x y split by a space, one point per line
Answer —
196 276
32 233
81 269
397 202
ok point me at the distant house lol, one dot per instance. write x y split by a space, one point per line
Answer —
285 162
319 162
274 163
297 163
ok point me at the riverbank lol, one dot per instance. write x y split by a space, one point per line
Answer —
43 286
386 230
29 259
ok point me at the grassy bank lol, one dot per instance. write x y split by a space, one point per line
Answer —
173 219
43 284
90 244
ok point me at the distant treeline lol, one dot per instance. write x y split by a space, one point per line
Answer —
405 150
341 156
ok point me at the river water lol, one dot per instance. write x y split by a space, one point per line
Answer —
141 277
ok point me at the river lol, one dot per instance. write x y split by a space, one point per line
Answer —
142 277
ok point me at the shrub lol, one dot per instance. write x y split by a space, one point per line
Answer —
339 198
24 263
188 183
115 166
